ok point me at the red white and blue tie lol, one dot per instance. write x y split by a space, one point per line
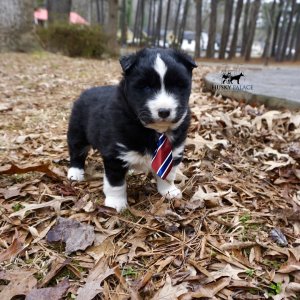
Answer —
162 160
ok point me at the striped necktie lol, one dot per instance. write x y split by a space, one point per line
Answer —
162 160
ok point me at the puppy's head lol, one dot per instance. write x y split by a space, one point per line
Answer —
158 86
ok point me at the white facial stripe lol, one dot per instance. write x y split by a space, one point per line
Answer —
161 68
162 100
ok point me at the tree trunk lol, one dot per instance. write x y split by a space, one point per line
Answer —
297 40
297 47
270 20
123 24
149 30
282 32
136 22
90 3
198 28
112 26
293 39
142 15
158 26
252 27
59 10
210 52
167 21
276 28
238 13
226 28
153 23
288 32
98 12
245 27
183 22
16 24
176 23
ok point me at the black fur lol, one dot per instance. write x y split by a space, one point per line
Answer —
104 116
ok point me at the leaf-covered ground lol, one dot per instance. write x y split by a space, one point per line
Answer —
235 234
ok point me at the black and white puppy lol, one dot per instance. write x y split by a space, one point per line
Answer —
124 122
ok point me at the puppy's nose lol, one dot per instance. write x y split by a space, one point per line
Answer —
163 113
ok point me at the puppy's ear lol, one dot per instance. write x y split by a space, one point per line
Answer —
127 62
186 60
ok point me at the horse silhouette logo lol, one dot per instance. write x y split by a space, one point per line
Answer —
229 78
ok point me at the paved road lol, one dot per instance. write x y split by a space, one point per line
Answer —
275 87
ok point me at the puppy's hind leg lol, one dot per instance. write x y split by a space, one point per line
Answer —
114 184
78 150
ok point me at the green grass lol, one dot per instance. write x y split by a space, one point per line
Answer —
274 288
129 272
17 207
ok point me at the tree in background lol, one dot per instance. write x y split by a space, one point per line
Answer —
58 10
238 13
282 31
210 52
198 28
293 38
276 28
167 23
158 24
283 51
123 23
226 28
112 26
255 5
175 31
269 16
183 22
16 24
245 27
295 34
297 43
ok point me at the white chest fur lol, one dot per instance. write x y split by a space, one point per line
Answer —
142 163
136 161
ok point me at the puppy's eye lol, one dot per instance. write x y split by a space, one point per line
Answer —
147 87
181 84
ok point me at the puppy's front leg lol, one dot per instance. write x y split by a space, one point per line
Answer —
114 184
167 187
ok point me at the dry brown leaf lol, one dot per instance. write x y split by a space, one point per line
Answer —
227 271
207 291
103 249
56 265
21 283
14 169
168 291
13 250
51 293
237 245
55 203
92 286
291 265
77 236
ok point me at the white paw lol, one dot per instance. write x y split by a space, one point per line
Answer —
170 192
76 174
117 203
